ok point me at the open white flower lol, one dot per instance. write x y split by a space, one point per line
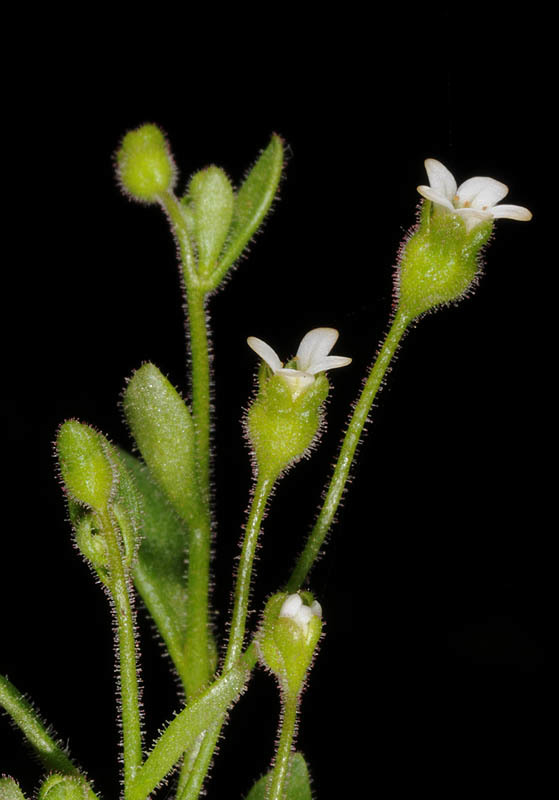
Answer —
312 357
474 200
294 608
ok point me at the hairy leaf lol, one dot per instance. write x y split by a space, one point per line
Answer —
298 787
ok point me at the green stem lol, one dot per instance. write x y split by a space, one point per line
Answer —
262 491
197 670
347 452
280 773
197 644
52 756
120 586
201 387
198 716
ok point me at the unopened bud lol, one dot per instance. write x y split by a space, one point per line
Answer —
145 166
289 633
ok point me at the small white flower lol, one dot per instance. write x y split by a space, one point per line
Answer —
474 200
312 357
294 608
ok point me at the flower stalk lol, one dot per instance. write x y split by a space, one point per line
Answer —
347 452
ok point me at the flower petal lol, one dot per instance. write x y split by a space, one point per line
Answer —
315 345
512 212
481 193
297 381
473 217
265 352
441 179
435 197
328 362
291 606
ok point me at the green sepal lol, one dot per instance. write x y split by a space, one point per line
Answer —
63 787
162 426
281 429
86 469
298 786
440 262
252 203
92 545
212 203
9 790
160 569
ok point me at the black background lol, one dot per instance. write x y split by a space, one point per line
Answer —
434 584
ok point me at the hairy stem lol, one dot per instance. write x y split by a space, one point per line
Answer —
52 756
198 716
288 726
197 639
121 590
347 453
262 491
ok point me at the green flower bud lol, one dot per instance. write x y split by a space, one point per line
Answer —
9 790
440 262
288 636
285 418
212 202
63 787
145 167
85 466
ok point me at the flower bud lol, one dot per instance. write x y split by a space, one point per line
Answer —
85 466
145 167
63 787
212 201
289 633
440 262
9 790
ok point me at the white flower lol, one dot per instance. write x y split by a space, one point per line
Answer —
294 608
312 357
474 200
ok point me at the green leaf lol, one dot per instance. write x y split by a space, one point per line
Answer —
298 788
159 573
9 790
163 429
252 203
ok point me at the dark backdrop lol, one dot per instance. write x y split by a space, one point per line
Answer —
434 586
